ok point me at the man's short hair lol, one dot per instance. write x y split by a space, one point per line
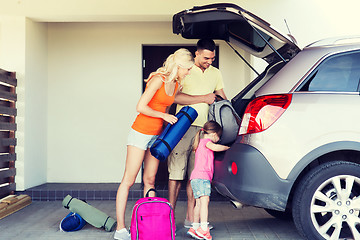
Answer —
206 44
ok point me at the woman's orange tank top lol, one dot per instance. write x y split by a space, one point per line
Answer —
160 101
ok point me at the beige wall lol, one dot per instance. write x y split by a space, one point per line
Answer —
35 118
23 49
94 83
12 58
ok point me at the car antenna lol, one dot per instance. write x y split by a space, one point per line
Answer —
237 53
289 34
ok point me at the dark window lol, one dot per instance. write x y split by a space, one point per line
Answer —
340 73
153 57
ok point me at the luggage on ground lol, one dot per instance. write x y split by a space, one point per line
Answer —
72 222
152 219
89 213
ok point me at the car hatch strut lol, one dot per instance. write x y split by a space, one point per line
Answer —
237 53
267 42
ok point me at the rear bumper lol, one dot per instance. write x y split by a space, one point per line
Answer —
256 183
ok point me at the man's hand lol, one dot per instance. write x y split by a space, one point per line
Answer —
209 98
186 99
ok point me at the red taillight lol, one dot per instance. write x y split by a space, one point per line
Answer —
234 168
262 112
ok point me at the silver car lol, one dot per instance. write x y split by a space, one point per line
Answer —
297 153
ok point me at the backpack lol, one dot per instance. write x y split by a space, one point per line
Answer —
223 113
152 219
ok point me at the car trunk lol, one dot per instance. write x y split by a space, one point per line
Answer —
236 26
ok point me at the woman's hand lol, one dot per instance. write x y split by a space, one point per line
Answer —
169 118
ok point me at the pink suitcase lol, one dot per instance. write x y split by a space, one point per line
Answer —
152 219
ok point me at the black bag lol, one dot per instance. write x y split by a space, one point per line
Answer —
223 113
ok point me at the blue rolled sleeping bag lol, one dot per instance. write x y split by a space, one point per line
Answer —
89 213
72 222
172 134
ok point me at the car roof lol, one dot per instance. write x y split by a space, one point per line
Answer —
295 71
236 25
337 41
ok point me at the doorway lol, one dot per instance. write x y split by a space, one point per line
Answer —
153 57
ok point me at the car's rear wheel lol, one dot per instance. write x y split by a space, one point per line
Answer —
327 202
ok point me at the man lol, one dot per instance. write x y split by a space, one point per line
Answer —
199 90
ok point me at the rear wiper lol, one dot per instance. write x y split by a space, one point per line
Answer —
247 63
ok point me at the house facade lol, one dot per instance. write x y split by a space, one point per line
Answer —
79 70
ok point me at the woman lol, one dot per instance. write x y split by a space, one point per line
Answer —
161 88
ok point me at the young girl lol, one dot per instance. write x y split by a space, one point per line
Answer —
202 175
161 88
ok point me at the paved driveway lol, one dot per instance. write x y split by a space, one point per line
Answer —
40 220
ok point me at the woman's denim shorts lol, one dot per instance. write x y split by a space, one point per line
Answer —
200 187
140 140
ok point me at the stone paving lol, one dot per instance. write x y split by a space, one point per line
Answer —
41 219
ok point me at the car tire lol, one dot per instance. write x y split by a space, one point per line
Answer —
326 203
287 215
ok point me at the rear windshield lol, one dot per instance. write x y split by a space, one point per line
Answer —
244 33
338 73
241 100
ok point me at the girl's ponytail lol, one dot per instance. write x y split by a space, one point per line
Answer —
197 140
209 127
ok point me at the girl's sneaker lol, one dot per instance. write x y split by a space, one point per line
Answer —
204 234
188 224
193 234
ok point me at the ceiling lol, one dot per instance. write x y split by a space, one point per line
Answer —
96 10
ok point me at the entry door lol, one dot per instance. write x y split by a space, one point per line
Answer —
153 58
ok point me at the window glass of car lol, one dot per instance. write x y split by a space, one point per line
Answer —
338 73
242 99
246 34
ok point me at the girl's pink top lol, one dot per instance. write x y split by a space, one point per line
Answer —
204 162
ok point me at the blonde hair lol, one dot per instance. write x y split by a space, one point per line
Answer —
209 127
180 58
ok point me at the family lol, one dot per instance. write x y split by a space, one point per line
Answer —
186 81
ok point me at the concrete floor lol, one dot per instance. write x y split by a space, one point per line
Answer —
41 219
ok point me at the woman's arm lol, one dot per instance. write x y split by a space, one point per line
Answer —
216 147
143 107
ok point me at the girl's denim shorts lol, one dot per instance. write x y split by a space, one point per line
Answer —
140 140
200 187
